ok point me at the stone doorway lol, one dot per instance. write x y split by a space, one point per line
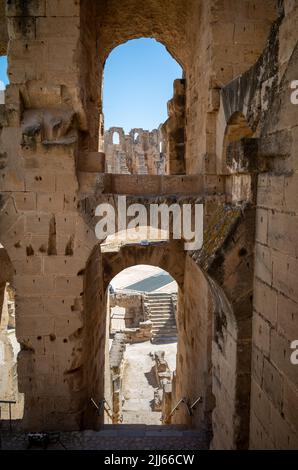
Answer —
142 332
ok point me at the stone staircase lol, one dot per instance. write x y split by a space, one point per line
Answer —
161 314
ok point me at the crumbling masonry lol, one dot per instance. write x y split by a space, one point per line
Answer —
238 296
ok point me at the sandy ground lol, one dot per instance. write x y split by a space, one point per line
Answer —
139 381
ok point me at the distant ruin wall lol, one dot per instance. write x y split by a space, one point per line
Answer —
139 152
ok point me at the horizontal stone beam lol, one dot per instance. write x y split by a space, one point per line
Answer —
143 185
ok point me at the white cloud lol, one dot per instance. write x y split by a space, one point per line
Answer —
2 86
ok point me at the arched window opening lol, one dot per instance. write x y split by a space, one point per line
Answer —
116 138
136 97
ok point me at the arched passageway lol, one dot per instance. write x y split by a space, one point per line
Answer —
142 336
194 326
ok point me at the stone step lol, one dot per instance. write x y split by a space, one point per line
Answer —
164 331
163 339
164 327
163 321
161 309
164 334
159 305
158 296
162 315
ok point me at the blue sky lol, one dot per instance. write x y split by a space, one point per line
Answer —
3 74
138 82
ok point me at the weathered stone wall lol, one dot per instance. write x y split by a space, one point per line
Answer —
50 137
133 304
194 340
139 152
174 130
225 38
274 419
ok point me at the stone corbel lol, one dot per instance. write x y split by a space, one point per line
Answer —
257 155
49 126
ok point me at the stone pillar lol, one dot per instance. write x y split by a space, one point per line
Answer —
174 128
45 236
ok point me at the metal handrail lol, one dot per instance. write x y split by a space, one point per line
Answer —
196 402
9 402
182 400
186 402
101 407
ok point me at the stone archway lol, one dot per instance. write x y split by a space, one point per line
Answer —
44 198
100 270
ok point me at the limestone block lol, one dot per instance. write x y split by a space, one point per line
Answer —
14 239
38 224
290 410
272 384
68 285
10 140
287 34
220 30
66 223
71 202
261 334
44 365
265 301
291 196
30 265
280 353
271 192
53 202
267 10
63 265
66 181
20 8
283 435
287 317
30 285
8 215
27 306
87 182
263 263
11 180
282 233
63 7
21 27
38 325
93 162
25 201
262 226
40 181
260 404
62 56
257 364
259 437
38 94
56 27
285 274
62 305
